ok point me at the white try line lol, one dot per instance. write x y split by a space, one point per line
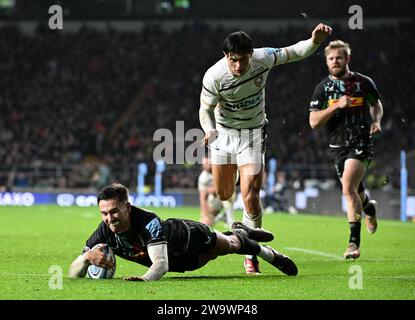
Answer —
317 253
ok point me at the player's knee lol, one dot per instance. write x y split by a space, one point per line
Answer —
349 190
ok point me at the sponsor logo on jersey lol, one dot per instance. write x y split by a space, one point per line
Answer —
330 87
247 103
314 103
358 152
356 101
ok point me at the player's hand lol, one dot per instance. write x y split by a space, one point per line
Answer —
99 258
211 136
320 33
375 128
344 102
134 278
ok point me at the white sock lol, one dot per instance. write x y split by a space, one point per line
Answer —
266 254
252 223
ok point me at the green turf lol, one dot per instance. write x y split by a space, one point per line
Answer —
34 239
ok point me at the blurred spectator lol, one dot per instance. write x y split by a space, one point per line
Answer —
67 98
277 200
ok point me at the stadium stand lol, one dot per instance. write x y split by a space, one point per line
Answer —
78 109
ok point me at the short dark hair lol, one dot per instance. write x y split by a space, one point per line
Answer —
114 191
238 42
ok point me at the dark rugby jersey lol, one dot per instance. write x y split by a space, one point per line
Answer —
349 127
146 229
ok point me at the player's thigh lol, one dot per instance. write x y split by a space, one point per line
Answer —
353 173
251 151
224 149
224 177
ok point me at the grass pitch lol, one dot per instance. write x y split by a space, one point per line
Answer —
39 241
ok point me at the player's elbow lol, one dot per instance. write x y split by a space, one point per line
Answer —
157 270
73 275
75 272
314 121
78 268
165 267
313 124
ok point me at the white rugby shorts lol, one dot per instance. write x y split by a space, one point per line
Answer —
239 146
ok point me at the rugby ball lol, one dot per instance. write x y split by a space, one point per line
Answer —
96 272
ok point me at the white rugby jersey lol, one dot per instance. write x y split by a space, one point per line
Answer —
240 101
205 180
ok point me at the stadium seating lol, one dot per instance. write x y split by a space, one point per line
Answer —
89 100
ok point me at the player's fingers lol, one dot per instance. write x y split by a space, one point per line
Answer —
108 264
375 129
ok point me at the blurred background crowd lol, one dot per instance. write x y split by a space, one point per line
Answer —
78 109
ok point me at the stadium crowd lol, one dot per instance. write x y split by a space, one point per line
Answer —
91 100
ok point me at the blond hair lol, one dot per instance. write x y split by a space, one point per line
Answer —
338 44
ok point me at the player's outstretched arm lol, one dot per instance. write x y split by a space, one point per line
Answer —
305 48
159 257
80 265
320 33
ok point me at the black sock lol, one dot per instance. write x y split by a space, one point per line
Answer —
355 232
368 208
248 246
365 201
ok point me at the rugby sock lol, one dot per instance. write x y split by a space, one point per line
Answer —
266 254
252 223
355 232
248 246
368 207
365 201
